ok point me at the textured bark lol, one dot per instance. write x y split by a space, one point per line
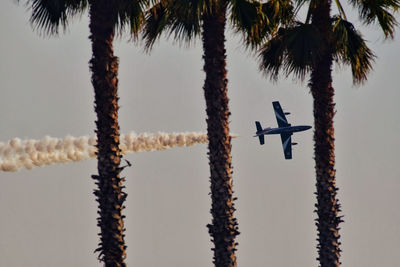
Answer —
109 194
224 227
327 207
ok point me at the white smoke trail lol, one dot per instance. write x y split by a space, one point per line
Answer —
17 153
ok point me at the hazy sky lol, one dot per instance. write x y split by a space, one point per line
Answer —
49 213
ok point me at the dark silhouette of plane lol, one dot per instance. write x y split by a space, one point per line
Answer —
285 129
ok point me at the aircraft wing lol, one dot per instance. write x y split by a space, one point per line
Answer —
280 115
287 145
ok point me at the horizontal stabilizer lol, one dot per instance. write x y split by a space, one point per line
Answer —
261 139
258 126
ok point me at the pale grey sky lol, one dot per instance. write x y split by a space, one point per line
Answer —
49 213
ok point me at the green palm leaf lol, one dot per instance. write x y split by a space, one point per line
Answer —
281 11
157 19
371 11
292 50
257 20
351 49
243 16
186 23
49 15
131 13
303 44
181 18
272 55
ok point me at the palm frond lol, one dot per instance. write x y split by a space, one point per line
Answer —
351 49
48 16
186 24
180 18
341 9
131 12
157 19
311 7
280 10
299 5
380 11
256 20
272 55
293 50
304 45
247 18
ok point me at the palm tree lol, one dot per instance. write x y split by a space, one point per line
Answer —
312 47
187 19
105 17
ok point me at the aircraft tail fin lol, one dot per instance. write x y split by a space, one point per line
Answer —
258 126
259 129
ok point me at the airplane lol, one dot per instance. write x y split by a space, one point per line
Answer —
285 129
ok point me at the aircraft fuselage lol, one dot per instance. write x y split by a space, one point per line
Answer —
287 130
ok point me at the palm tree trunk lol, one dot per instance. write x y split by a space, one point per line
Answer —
104 67
224 227
327 206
